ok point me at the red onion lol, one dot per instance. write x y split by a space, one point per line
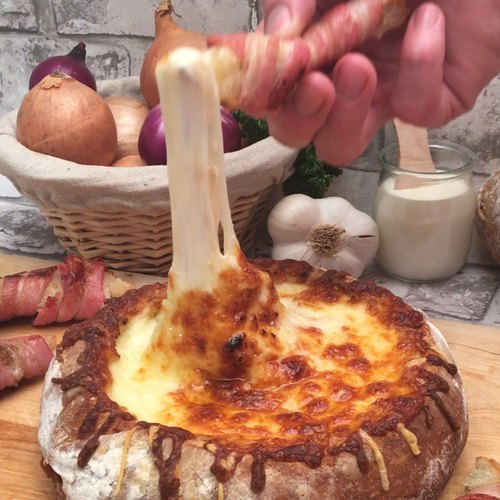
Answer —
152 146
231 132
71 64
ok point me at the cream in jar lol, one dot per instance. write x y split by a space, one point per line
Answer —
426 229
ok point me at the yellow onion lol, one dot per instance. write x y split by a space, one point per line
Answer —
129 115
62 117
168 36
129 161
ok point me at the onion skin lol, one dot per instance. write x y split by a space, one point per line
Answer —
152 143
62 117
231 132
129 115
168 36
71 64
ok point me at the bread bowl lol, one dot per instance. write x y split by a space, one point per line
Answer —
75 406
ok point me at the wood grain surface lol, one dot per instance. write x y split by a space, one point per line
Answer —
476 350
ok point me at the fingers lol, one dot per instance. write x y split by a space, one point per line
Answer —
287 17
417 95
296 123
337 116
351 122
341 118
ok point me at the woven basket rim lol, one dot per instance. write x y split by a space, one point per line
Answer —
56 183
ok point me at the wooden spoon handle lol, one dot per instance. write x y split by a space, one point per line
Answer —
414 153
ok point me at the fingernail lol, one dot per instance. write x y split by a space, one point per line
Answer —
427 16
306 104
277 19
349 85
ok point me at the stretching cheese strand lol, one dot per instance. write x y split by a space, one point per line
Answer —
197 321
188 91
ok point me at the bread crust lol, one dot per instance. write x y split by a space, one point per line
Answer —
488 214
96 449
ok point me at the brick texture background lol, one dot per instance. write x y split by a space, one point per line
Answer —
117 34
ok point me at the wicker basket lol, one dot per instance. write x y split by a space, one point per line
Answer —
122 215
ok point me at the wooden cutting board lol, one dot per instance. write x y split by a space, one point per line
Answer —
476 349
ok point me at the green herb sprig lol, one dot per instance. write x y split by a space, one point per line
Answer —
311 176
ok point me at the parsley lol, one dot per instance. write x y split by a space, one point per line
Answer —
311 176
252 129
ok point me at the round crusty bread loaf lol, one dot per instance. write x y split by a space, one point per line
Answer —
95 449
488 214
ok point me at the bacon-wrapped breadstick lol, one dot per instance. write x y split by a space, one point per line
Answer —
257 71
74 289
23 357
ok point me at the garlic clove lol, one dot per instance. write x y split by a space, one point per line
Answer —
292 250
340 212
292 218
364 244
346 261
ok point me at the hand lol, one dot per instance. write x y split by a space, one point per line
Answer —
427 74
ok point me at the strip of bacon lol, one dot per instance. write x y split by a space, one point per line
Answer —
23 357
93 290
259 71
489 491
74 289
265 68
8 292
478 496
31 292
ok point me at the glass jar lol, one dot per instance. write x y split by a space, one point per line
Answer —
425 219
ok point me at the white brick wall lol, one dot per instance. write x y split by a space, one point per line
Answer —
117 34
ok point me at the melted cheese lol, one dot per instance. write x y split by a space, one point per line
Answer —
151 435
326 335
123 462
379 458
198 194
410 438
138 385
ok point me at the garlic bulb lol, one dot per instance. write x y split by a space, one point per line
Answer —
328 233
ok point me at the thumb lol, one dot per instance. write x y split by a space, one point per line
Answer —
287 18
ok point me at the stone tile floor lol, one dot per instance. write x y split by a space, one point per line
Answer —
473 295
